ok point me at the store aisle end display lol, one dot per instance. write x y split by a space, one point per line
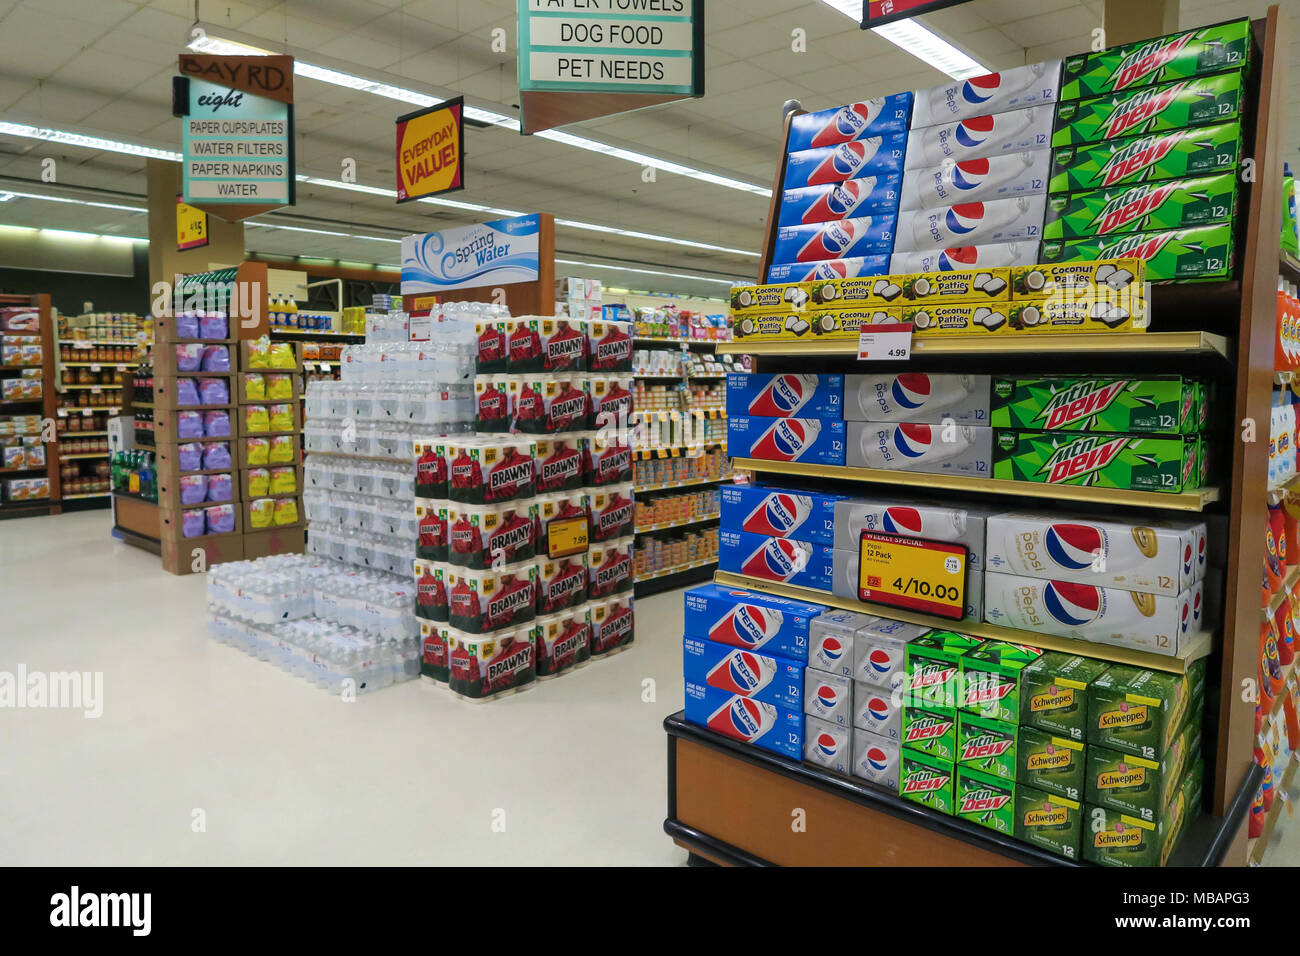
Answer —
29 470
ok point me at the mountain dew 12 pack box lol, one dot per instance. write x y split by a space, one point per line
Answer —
1202 252
927 780
1150 109
1130 462
1152 157
933 668
989 681
1142 207
1170 406
989 746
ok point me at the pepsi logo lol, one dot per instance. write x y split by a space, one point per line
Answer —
789 437
827 696
782 513
746 670
844 198
747 626
1187 560
969 174
913 440
911 389
900 520
880 661
877 759
972 132
832 649
964 217
838 236
1200 551
827 745
980 89
1075 605
1074 546
780 557
830 269
786 393
746 717
1186 613
878 708
848 157
962 257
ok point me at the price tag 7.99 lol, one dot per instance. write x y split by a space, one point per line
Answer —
885 343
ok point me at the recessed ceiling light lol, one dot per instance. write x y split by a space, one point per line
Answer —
920 41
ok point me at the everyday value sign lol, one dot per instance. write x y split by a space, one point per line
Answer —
431 151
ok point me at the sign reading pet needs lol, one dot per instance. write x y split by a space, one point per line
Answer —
431 151
470 257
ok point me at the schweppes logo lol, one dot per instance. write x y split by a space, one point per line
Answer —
1135 716
1117 839
1058 759
1064 697
1047 816
1116 779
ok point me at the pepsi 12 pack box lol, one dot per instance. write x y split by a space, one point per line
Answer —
746 720
1012 89
779 513
947 449
978 136
785 395
787 272
784 560
757 622
918 397
863 236
761 677
914 519
989 255
977 180
844 124
786 439
868 196
872 156
1015 219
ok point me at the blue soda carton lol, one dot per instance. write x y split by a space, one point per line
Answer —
786 439
779 513
756 622
870 195
786 395
870 156
844 124
863 236
761 677
749 721
849 268
783 560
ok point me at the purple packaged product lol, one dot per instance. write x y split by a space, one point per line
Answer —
828 269
749 721
783 560
214 391
213 325
748 619
779 513
216 454
220 488
221 519
863 236
187 392
189 425
187 325
786 395
189 456
772 680
836 164
843 124
870 195
216 358
194 489
188 358
786 439
216 424
193 523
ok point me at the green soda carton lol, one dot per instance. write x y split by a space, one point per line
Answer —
1049 821
1051 763
987 800
1054 693
932 669
1136 711
1104 460
989 681
1135 785
926 780
1150 109
1204 252
1212 49
1196 679
1192 787
989 746
1151 157
1114 838
1130 405
931 732
1141 207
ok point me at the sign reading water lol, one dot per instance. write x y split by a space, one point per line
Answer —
470 257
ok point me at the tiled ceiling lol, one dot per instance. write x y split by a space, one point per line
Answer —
105 67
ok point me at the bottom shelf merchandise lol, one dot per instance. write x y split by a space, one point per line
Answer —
1080 757
657 557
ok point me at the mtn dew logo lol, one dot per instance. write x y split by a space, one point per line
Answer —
924 780
1134 247
1143 63
984 746
1136 156
928 676
1131 206
983 800
1143 107
1078 403
927 728
1083 457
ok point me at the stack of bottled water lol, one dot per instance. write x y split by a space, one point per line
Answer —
337 627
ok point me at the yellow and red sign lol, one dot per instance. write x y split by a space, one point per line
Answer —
191 226
431 151
911 573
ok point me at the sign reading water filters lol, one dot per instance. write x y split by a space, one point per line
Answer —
236 147
470 257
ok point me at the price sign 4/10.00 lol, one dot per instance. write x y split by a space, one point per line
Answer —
912 573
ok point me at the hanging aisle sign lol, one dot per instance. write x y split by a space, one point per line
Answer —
469 257
431 151
579 59
879 12
236 133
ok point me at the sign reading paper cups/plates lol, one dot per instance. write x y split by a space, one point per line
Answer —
493 253
879 12
580 59
236 133
912 573
431 151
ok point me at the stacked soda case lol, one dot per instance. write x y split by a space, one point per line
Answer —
267 387
1146 144
976 171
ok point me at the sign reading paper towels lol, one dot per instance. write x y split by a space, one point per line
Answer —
493 253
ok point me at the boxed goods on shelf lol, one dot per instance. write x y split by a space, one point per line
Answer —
750 620
786 439
1137 462
1176 154
920 447
760 509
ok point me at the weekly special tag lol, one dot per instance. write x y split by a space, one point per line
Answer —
911 573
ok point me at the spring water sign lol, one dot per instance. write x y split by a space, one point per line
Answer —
470 257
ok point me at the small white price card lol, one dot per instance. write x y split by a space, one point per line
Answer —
885 343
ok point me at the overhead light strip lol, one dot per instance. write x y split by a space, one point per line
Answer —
649 272
86 142
911 36
213 44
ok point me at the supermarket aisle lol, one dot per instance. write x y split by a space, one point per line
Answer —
285 774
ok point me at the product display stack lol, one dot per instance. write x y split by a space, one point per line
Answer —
270 447
26 387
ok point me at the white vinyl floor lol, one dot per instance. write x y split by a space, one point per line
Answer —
278 772
203 755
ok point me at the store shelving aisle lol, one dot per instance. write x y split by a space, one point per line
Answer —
184 728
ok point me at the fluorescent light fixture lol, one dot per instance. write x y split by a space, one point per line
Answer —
912 37
648 272
320 232
5 197
211 44
68 199
72 234
651 237
86 142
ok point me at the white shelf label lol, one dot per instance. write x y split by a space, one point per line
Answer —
885 343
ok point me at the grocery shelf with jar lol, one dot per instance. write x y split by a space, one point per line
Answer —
993 338
29 468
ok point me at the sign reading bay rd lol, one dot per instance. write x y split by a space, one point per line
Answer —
634 53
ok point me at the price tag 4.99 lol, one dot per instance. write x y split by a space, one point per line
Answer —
885 343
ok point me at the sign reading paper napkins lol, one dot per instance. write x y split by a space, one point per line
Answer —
470 257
